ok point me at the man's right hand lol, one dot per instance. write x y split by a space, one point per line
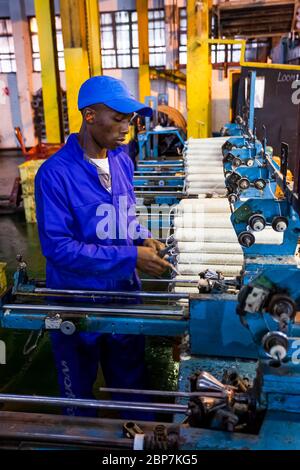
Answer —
149 262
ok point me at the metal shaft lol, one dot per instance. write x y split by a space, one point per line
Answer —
96 404
99 310
157 177
168 393
95 293
178 194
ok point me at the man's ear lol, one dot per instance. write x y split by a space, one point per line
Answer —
89 115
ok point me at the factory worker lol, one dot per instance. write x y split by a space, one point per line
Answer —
90 236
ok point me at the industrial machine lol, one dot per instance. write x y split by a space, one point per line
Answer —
239 329
160 177
238 383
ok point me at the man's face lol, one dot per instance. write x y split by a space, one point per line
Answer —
107 127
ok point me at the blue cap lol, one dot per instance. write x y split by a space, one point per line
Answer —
111 92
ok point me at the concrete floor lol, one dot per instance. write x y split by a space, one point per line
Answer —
35 373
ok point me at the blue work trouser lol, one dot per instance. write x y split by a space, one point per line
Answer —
122 360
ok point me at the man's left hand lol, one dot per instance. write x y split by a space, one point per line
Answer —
154 244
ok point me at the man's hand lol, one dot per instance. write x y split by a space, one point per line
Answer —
149 262
154 244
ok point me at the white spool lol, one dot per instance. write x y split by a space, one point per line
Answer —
205 235
209 205
209 258
209 177
184 279
194 168
227 270
186 290
204 190
205 184
217 248
202 220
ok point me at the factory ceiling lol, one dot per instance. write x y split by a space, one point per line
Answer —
254 19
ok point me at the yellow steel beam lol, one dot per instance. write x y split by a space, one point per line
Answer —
198 83
73 20
93 36
44 10
144 74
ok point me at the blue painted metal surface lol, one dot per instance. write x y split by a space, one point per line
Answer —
216 330
279 431
101 324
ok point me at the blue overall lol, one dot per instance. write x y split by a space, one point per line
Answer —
89 237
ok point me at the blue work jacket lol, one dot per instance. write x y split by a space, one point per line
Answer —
82 226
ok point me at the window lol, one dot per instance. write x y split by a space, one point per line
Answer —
157 38
257 50
220 53
182 36
120 42
7 50
225 53
119 39
36 48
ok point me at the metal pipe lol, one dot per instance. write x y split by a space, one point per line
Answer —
158 173
158 177
161 187
95 293
172 281
168 393
163 165
178 194
96 404
101 310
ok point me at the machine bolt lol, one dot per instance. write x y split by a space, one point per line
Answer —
246 239
275 345
237 162
244 183
260 184
280 224
232 198
257 222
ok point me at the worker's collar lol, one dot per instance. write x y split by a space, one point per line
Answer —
74 147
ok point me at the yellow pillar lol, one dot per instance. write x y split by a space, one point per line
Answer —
73 20
144 75
44 10
93 36
198 82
